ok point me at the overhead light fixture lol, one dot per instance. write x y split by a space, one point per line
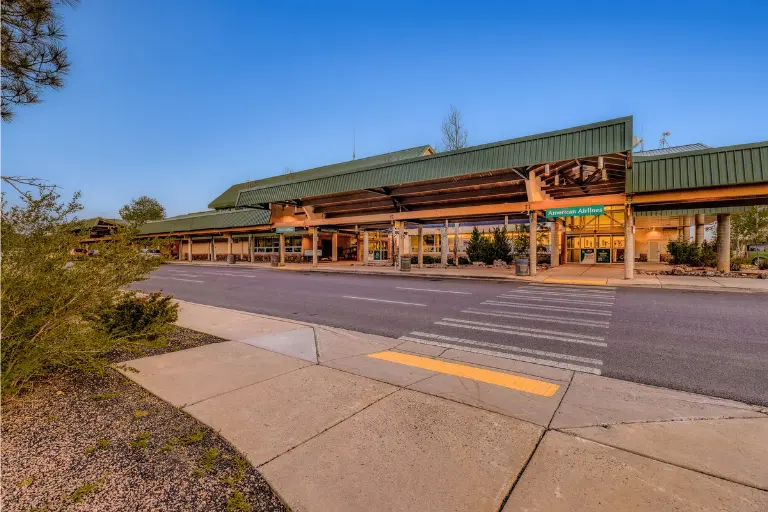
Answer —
557 179
600 162
601 166
546 170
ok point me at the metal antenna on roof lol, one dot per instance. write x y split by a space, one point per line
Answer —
663 140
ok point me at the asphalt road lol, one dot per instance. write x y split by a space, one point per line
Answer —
715 343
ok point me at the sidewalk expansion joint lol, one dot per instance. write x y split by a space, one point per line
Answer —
662 461
758 416
522 469
246 385
329 427
567 388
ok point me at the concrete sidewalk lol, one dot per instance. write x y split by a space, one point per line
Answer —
340 420
598 275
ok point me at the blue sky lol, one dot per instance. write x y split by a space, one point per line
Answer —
180 99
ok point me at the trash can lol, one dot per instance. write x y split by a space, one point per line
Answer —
405 263
274 260
231 259
522 268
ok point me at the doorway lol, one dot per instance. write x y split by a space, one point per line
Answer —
654 248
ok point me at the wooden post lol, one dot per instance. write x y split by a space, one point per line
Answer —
724 242
365 247
229 246
629 244
444 244
532 245
421 246
189 248
212 249
334 247
314 247
282 249
456 243
699 230
397 238
181 249
251 256
554 245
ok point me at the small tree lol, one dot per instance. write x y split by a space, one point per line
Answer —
477 246
140 210
750 227
521 241
500 246
454 133
32 55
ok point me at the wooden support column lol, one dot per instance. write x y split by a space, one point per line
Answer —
365 247
699 229
397 238
554 236
390 247
212 249
723 242
334 247
444 244
421 246
532 245
629 244
251 255
456 243
181 249
229 246
314 247
282 250
189 248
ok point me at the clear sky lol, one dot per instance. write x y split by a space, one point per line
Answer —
181 99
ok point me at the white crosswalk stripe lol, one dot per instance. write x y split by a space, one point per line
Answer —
518 324
549 299
596 289
541 318
598 312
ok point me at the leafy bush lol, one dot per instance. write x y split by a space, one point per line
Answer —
708 254
463 261
737 262
684 252
426 258
134 317
763 265
49 301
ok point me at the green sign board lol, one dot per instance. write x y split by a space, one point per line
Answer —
603 255
576 211
285 230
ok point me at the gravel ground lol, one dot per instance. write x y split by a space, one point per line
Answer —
104 443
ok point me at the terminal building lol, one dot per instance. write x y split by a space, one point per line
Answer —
583 191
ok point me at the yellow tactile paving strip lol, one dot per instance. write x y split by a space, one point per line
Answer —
525 384
593 282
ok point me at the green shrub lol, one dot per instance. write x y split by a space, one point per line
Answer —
684 252
50 301
763 265
478 248
708 254
737 262
464 261
139 317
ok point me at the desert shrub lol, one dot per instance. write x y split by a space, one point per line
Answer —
134 317
763 264
51 302
684 252
708 254
464 261
737 262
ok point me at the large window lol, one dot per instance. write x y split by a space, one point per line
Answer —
271 244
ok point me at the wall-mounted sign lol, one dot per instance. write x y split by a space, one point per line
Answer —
587 257
285 230
603 255
576 211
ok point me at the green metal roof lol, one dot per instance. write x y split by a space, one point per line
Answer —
582 141
728 165
229 197
666 212
207 220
